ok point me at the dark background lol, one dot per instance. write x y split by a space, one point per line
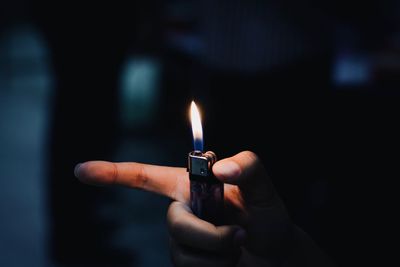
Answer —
310 86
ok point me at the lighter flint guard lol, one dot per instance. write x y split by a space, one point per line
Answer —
206 191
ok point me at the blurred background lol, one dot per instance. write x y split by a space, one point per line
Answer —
311 86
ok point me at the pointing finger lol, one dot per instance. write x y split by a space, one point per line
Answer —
172 182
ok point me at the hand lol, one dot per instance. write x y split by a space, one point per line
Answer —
255 214
257 217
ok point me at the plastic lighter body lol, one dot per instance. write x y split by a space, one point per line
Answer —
206 191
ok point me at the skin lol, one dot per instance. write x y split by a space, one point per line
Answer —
257 232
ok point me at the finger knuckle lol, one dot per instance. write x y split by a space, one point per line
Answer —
252 156
141 178
173 222
114 173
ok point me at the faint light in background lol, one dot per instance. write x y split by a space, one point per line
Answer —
139 92
25 90
24 61
352 65
351 70
189 43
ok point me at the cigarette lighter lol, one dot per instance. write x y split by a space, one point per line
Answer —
206 191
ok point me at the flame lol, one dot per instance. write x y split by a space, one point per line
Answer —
197 129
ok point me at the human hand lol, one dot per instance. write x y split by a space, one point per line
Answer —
255 217
257 221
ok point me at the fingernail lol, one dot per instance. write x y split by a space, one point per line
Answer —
76 170
228 169
240 237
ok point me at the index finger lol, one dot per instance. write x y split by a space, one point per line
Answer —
172 182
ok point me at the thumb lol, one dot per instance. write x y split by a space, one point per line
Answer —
268 226
247 172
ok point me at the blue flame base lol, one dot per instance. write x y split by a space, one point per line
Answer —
198 145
